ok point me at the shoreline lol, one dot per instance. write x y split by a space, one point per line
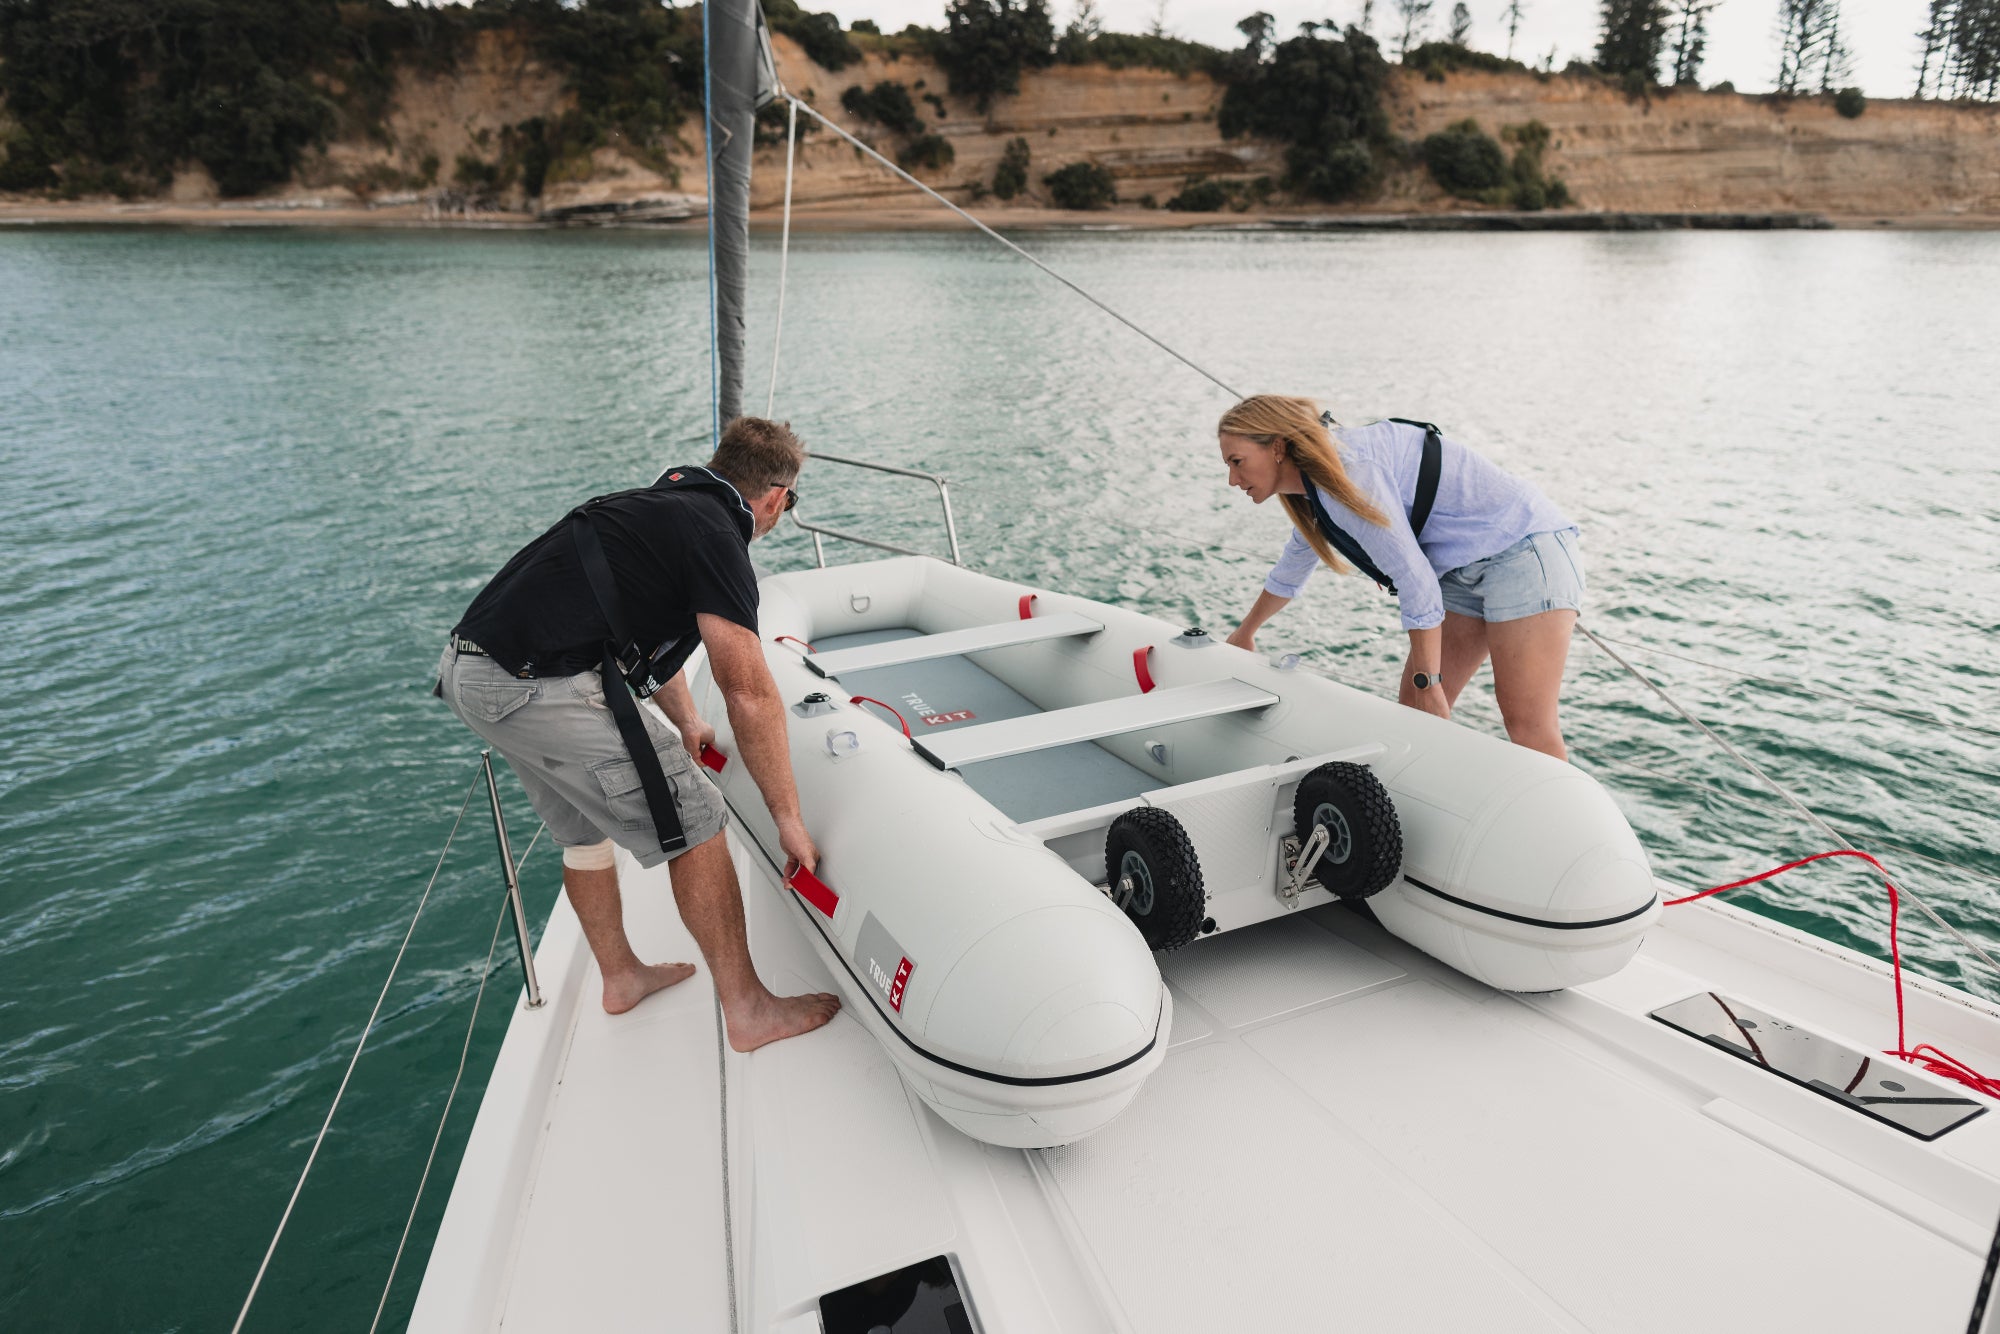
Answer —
254 214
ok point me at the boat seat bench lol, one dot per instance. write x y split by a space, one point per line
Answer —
951 643
1088 722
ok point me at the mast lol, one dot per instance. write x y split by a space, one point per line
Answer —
741 76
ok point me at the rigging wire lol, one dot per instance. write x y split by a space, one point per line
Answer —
1203 371
784 249
485 974
1779 683
366 1030
1778 788
714 306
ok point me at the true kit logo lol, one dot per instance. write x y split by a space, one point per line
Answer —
931 717
874 948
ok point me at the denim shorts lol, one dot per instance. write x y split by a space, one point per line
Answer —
558 735
1541 572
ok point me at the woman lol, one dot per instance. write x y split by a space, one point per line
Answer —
1494 572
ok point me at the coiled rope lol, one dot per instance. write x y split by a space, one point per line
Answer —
366 1030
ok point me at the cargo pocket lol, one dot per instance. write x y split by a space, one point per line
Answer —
625 799
491 701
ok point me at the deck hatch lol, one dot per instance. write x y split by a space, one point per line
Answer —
923 1298
1876 1085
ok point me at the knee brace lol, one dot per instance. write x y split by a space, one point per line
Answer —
590 857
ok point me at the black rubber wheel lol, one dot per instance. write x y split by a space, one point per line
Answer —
1166 900
1366 849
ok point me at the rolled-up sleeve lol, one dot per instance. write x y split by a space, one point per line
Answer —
1296 562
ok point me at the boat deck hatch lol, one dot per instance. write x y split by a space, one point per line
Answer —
1871 1083
922 1298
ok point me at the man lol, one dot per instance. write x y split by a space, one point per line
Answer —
626 586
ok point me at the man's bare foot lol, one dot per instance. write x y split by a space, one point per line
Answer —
775 1017
625 990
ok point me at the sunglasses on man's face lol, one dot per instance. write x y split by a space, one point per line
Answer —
791 497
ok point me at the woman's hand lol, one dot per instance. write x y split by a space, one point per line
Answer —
1244 637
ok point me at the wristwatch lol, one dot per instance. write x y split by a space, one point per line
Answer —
1424 680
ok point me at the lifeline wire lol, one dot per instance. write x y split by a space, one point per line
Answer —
1200 370
366 1029
1776 787
784 250
714 310
479 996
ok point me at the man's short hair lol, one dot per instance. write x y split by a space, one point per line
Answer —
757 454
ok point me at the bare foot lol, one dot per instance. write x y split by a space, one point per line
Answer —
628 989
775 1017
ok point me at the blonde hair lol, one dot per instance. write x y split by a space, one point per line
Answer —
1274 419
756 454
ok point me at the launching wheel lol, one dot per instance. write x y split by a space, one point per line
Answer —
1365 839
1155 876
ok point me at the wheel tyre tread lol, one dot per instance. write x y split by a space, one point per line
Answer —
1179 900
1371 815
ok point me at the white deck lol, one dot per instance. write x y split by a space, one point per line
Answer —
1345 1135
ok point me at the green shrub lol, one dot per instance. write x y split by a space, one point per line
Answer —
1529 188
1849 102
26 167
987 43
1319 95
1011 176
1465 160
887 103
1081 185
1124 50
865 25
819 35
929 152
1201 195
1434 60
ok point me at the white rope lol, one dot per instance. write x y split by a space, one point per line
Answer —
1779 684
366 1029
1776 787
485 973
784 248
1212 378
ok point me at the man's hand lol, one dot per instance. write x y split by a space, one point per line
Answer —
1243 637
798 846
695 734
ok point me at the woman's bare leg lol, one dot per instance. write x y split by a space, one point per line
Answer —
1528 660
1463 653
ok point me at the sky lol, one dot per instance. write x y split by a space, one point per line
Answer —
1742 46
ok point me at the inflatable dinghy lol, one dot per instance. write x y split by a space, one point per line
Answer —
1019 795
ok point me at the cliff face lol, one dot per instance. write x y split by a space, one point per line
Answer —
1683 151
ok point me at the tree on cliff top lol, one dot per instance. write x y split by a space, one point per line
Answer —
1321 96
1633 33
987 43
1690 20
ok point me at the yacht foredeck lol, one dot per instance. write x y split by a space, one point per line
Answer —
1345 1135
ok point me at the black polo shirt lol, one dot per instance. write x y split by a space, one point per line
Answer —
676 548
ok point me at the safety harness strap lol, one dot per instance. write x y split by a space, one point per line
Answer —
1428 471
617 695
1429 468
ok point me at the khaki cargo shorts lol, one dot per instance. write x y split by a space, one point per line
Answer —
561 740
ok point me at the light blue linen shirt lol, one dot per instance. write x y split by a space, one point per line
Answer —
1480 511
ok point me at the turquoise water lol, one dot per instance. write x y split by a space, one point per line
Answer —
251 477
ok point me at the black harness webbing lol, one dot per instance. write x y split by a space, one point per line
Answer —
617 694
1429 469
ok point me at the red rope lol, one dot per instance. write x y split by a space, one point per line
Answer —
1923 1055
863 699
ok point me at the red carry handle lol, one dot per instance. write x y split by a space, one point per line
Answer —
712 757
900 722
1139 669
814 891
781 639
1027 606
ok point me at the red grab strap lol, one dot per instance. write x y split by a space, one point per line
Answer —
1027 606
864 699
1139 668
713 758
814 891
794 639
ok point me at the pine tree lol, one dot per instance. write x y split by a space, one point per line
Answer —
1936 37
1634 31
1690 18
1461 23
1809 44
1416 17
1513 16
